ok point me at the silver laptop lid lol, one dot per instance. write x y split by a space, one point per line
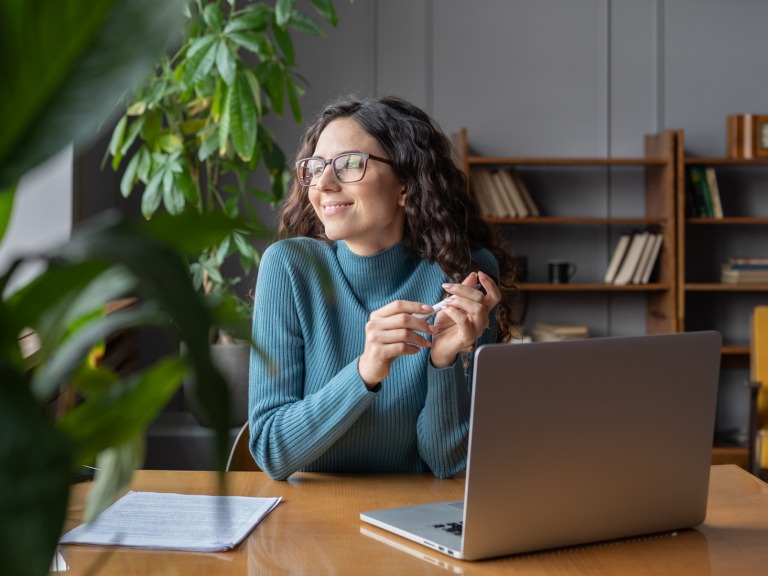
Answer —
581 441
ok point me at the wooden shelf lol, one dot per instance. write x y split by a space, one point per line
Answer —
654 177
719 161
594 287
720 287
735 349
730 220
565 161
730 455
568 220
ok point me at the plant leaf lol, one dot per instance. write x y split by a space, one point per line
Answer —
253 84
69 353
201 58
283 10
191 233
117 417
60 84
283 40
35 472
326 10
226 63
150 200
271 76
212 16
243 118
254 19
225 120
253 42
293 98
116 142
131 134
173 197
114 471
129 176
6 208
304 23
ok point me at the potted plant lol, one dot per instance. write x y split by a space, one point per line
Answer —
64 70
193 136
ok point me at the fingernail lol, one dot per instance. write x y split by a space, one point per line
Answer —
447 285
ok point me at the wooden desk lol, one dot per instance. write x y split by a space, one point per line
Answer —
316 530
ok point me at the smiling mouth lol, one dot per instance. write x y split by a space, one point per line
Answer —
330 208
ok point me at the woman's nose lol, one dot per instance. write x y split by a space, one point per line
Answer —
326 180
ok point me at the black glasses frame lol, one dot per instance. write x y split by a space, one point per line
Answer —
365 156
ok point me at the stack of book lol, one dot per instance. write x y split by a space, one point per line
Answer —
502 194
555 332
704 193
634 258
745 271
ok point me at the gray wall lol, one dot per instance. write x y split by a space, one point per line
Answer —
550 77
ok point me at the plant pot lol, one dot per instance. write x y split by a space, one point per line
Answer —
232 361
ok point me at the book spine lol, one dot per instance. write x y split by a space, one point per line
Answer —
700 192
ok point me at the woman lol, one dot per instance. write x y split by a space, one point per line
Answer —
355 374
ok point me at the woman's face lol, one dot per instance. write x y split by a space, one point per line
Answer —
368 215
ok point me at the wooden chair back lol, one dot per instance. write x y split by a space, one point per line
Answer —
240 459
758 364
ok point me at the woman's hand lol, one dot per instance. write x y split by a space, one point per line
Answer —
392 331
463 320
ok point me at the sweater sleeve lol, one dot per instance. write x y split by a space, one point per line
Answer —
289 429
443 426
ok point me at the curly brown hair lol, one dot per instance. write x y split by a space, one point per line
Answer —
442 221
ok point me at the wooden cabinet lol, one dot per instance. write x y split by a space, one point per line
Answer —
704 244
586 203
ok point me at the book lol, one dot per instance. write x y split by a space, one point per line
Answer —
616 258
701 197
740 134
629 264
714 192
556 332
729 275
514 194
651 264
481 195
533 209
500 209
739 262
645 257
504 194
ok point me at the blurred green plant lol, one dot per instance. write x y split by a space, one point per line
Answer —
65 63
193 134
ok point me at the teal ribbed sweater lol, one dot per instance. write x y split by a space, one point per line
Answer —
308 407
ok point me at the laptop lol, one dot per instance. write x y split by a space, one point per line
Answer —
577 442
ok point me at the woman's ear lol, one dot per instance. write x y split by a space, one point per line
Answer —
401 198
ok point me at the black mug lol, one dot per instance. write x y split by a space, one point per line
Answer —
560 271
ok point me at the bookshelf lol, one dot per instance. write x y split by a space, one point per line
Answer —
651 176
704 243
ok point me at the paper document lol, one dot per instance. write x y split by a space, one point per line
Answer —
174 522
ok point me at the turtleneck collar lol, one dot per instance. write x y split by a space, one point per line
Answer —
380 274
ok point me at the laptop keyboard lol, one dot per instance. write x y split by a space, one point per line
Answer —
451 527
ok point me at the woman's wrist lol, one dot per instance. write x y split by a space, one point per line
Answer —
442 362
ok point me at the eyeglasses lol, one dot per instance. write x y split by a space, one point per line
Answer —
347 167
